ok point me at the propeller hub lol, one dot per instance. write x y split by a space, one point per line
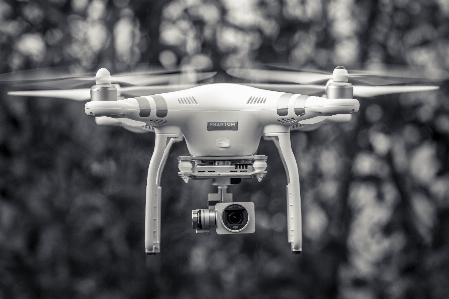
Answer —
340 74
103 77
338 87
104 90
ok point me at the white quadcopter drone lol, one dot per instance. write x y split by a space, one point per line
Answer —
222 125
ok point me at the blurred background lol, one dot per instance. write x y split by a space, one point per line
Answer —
375 191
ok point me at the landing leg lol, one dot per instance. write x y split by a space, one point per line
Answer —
162 146
282 142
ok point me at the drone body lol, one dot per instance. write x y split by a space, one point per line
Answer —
222 125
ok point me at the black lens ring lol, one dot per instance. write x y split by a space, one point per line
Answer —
235 214
245 212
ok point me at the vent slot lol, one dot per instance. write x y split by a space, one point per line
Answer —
187 101
156 122
287 121
297 126
241 166
256 100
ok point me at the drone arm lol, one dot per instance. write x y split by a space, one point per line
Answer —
163 143
282 142
130 125
316 122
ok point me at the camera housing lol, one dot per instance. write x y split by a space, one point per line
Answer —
226 217
235 218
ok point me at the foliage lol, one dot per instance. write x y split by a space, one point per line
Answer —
375 192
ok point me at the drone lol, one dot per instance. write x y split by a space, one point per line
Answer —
222 125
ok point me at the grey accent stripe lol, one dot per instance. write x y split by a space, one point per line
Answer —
161 105
300 104
144 106
283 104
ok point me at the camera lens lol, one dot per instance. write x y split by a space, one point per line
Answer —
235 218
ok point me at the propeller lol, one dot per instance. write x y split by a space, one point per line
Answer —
71 94
309 89
103 77
277 76
49 78
294 75
371 91
128 79
83 94
337 80
380 70
361 91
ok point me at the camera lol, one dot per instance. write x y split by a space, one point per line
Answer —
235 217
226 217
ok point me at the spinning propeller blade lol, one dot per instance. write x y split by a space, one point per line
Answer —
130 79
83 94
277 76
179 81
340 75
309 89
137 91
140 79
72 94
51 77
395 75
371 91
358 90
293 68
